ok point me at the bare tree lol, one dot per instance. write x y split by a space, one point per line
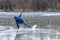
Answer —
8 5
34 5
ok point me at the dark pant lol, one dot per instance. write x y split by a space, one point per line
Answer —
24 24
27 25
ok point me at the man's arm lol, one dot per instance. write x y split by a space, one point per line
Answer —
20 14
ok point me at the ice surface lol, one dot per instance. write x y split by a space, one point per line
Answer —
45 18
28 34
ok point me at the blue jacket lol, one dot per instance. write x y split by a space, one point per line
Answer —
19 20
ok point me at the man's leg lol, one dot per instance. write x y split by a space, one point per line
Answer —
27 25
17 25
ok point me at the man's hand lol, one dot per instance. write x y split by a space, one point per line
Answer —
20 14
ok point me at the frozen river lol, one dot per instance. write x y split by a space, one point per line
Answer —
28 34
48 26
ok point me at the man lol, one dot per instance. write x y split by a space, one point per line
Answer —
19 20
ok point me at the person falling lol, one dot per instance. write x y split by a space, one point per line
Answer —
19 20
